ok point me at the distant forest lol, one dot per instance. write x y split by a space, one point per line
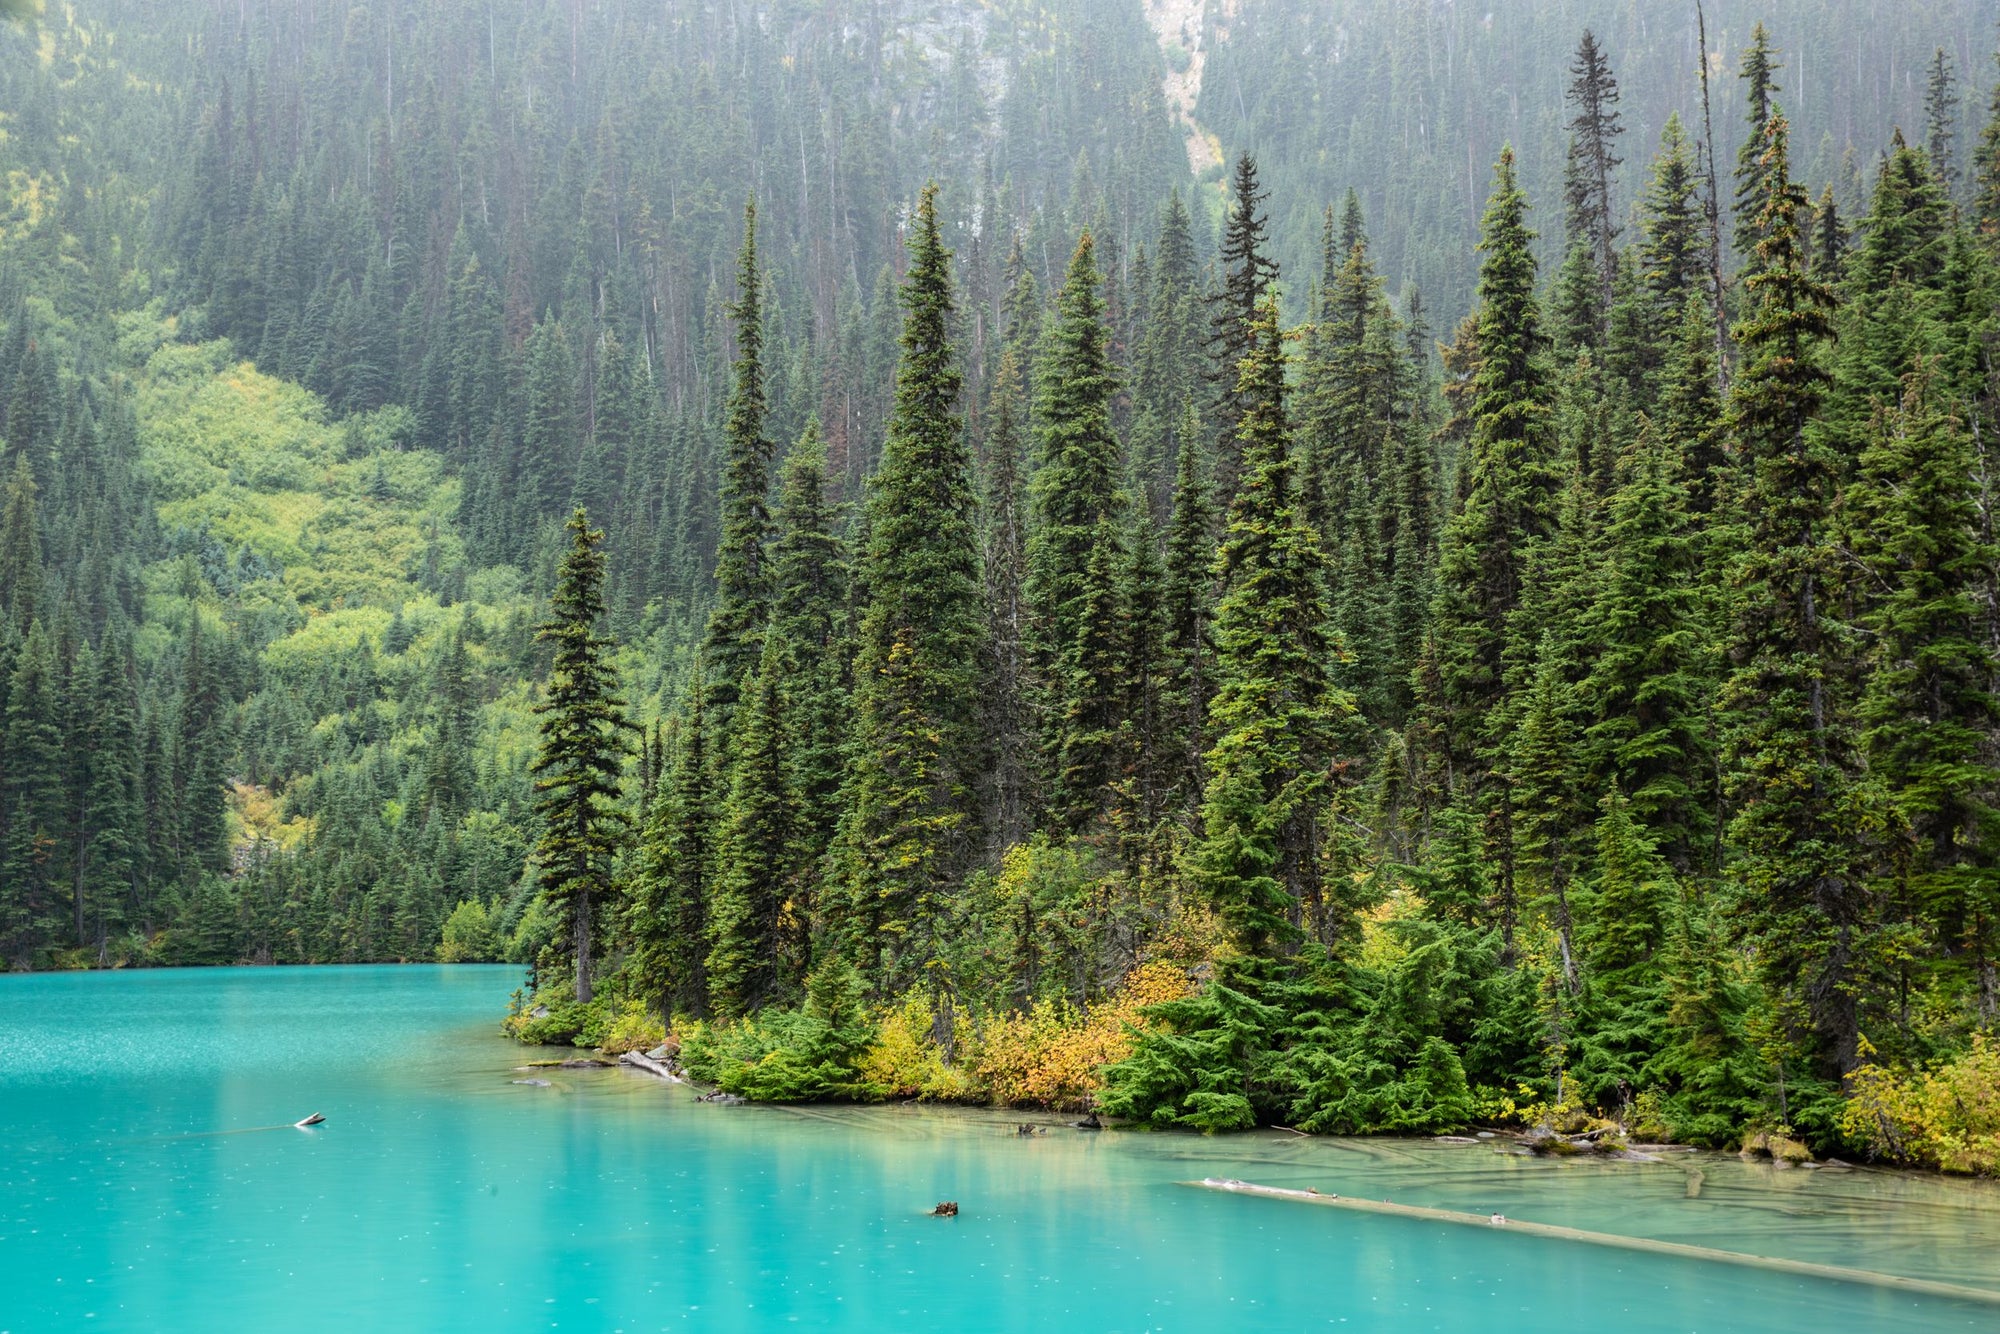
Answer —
1467 535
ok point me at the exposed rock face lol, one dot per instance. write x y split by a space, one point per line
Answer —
1182 29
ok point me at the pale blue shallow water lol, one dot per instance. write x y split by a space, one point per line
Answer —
441 1196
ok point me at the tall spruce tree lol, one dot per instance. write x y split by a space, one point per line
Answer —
742 581
580 761
1246 271
1273 711
1941 121
1759 72
1788 750
911 830
1077 509
671 892
1594 131
754 953
1926 711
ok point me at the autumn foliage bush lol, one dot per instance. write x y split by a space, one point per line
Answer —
1947 1117
1051 1055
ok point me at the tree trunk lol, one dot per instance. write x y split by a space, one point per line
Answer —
583 946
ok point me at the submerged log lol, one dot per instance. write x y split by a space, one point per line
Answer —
1680 1250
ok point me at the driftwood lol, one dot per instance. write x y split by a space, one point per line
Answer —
1930 1287
640 1061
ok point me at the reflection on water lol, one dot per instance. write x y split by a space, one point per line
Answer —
441 1194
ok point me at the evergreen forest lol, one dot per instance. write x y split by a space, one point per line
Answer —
1358 566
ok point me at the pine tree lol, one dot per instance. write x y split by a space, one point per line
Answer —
1077 506
750 960
31 795
671 892
1189 611
1674 247
910 830
1649 683
110 830
1273 709
20 548
1941 121
808 619
580 761
1007 724
1759 72
1510 480
1246 272
1147 752
1786 749
742 583
551 433
1926 709
1594 131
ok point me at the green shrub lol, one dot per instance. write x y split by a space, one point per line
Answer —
811 1054
471 935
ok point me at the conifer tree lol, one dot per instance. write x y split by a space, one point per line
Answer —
1146 754
1594 131
750 961
110 830
31 795
1167 363
910 830
1077 507
1787 751
1510 479
1941 121
580 760
551 432
1189 613
1007 725
676 868
808 620
1926 707
1273 709
1673 248
742 582
1246 272
1759 72
20 548
1986 170
1648 686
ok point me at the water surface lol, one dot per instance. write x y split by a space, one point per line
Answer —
441 1195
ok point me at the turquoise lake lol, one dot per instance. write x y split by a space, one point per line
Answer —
440 1195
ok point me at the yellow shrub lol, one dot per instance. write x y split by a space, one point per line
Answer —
1051 1056
632 1028
905 1061
1948 1118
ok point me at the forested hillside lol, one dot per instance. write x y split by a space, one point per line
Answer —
887 535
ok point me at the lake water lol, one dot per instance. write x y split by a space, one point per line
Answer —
440 1195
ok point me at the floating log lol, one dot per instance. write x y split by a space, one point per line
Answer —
1929 1287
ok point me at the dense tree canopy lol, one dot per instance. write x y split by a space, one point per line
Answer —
1472 633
